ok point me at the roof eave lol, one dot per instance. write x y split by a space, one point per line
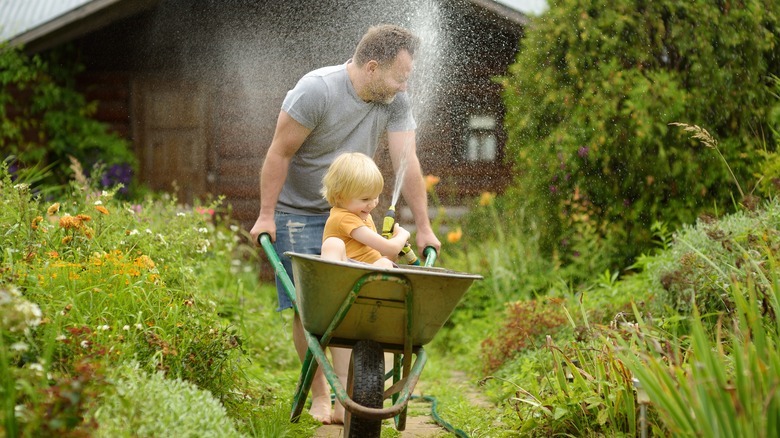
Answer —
80 21
503 11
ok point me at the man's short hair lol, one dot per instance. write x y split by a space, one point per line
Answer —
382 44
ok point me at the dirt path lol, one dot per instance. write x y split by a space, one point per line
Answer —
419 422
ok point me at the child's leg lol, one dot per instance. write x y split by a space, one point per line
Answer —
333 248
384 262
340 358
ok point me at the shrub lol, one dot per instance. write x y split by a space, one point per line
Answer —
526 324
589 100
142 404
44 121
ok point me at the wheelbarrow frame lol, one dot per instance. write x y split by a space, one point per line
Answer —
405 374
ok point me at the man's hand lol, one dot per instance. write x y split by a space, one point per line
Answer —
426 238
263 225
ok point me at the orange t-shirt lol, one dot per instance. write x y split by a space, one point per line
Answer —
341 223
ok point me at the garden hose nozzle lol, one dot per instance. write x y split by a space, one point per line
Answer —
387 232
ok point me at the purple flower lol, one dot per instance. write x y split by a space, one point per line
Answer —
553 189
116 174
583 151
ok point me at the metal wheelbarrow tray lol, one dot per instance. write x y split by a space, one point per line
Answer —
379 310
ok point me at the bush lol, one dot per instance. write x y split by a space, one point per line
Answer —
142 404
589 101
44 121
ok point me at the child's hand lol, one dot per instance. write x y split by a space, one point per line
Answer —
399 231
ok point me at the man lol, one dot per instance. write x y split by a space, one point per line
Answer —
332 110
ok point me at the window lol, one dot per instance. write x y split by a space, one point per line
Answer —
481 143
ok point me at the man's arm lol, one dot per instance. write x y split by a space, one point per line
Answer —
288 138
403 150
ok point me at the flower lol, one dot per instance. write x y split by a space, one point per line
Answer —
204 211
101 209
486 199
455 235
430 182
35 222
54 208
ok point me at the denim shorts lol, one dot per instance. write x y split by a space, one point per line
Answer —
296 233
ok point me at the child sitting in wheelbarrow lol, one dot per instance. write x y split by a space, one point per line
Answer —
352 187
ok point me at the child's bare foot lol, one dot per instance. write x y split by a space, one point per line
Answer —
338 414
320 410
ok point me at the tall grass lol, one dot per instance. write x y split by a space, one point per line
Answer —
721 383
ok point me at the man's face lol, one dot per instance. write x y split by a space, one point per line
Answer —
391 79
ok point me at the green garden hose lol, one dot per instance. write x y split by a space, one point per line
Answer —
440 421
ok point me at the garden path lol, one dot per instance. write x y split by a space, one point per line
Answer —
419 422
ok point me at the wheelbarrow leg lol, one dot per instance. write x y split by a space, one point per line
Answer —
308 369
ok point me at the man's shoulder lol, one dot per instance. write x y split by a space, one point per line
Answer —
328 72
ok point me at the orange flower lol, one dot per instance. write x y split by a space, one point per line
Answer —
54 208
36 221
66 240
145 261
101 209
455 235
70 222
430 182
486 199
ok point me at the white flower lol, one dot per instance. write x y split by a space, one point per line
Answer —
104 327
126 327
234 228
36 367
134 232
61 337
203 230
148 231
139 326
98 202
20 346
84 344
181 214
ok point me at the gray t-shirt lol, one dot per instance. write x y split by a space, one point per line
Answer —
325 101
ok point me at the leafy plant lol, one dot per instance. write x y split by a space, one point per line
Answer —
588 103
44 121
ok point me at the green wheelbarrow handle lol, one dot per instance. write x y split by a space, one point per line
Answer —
264 239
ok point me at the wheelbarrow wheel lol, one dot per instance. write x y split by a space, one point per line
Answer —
365 386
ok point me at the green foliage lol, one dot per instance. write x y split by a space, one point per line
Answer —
44 120
705 259
722 381
141 404
589 101
90 284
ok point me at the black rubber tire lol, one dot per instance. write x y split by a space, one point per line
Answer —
365 386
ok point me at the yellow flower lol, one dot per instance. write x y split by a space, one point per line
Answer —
455 235
36 221
66 240
101 209
54 208
486 199
430 182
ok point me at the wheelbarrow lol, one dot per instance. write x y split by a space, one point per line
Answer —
374 311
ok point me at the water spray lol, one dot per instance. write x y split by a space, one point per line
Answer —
387 232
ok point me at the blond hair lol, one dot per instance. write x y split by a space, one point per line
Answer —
351 175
